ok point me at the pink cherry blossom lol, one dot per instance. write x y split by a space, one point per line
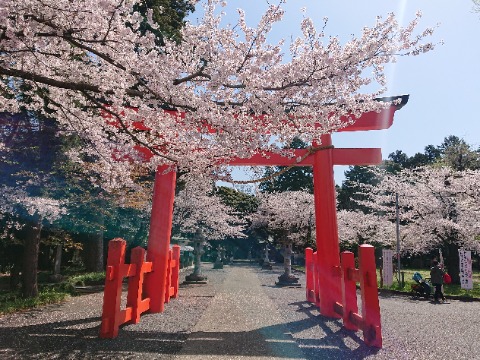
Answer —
80 58
196 208
436 205
291 212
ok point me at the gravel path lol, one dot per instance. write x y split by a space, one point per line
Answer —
411 329
240 314
242 321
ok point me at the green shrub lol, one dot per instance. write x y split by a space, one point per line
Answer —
97 278
12 301
49 293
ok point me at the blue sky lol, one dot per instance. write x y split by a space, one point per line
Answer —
444 85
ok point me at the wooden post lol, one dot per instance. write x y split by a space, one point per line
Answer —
159 237
309 269
372 331
168 283
349 289
316 279
113 289
135 284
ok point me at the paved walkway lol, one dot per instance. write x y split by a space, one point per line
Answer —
241 322
241 314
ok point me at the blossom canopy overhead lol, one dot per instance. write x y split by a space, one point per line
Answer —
83 61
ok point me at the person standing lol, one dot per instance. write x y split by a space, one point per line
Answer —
436 276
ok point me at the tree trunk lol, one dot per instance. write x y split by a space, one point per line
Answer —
58 260
30 258
452 262
93 252
15 276
15 254
287 260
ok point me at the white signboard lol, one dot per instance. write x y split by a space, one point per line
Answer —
466 281
387 256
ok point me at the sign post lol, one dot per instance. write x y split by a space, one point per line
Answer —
387 256
466 280
397 226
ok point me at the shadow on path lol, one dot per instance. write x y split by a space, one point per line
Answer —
326 338
79 339
316 336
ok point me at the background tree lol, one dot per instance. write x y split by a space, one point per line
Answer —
458 155
357 227
348 195
201 216
29 198
297 178
476 4
438 208
196 206
244 205
453 152
289 218
168 17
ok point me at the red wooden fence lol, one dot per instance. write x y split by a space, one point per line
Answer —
346 307
113 316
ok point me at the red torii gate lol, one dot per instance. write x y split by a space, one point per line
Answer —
324 194
322 161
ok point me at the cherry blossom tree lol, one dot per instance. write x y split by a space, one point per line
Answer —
29 200
476 5
198 213
196 206
23 215
190 105
288 216
356 228
244 203
297 178
439 209
112 85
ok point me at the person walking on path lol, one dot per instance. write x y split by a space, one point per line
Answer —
436 275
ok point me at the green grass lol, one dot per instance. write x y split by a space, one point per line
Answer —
450 289
49 293
298 267
97 278
11 302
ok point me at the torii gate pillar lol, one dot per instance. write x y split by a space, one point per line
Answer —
326 228
159 237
